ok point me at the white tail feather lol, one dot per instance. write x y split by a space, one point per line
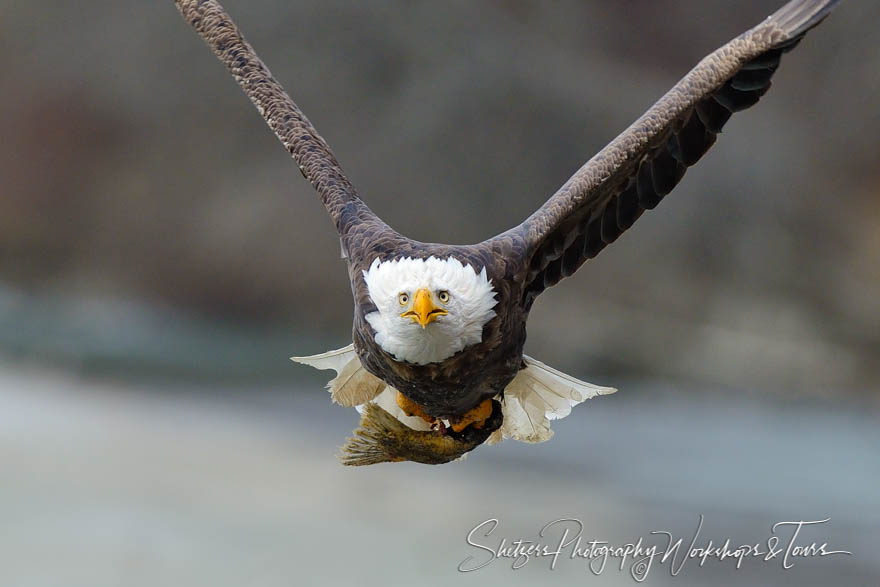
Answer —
539 394
353 385
335 360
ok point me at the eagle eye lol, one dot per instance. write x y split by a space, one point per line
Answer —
403 299
443 296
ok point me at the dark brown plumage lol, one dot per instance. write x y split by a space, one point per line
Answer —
591 210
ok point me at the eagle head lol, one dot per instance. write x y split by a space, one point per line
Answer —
428 309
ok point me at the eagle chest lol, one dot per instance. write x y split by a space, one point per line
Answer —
449 387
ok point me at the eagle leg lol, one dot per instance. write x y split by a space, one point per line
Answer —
476 416
411 408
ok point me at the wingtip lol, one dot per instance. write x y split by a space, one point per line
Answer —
799 16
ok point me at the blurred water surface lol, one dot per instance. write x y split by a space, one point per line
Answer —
105 483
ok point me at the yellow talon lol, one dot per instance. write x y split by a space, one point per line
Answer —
476 416
411 408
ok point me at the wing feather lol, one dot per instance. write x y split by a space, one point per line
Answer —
645 162
312 154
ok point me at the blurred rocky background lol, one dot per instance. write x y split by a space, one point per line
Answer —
161 257
149 221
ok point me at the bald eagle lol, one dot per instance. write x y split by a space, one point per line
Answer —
436 364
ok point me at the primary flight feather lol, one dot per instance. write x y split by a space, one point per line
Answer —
436 364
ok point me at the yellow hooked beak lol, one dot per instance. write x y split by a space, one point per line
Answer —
423 309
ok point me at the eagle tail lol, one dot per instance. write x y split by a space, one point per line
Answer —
353 385
538 394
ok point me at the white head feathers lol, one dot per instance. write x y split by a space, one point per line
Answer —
469 306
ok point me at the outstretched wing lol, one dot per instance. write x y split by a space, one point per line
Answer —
293 129
644 163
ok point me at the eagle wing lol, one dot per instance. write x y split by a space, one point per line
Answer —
633 173
312 154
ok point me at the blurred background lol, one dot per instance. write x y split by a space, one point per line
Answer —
161 257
